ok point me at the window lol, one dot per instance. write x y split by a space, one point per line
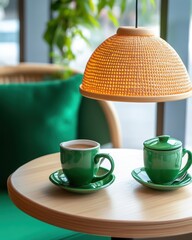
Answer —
9 33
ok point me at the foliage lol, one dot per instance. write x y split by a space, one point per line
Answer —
71 17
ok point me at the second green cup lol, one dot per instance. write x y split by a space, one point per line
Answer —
163 158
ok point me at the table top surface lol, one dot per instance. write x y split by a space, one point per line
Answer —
124 209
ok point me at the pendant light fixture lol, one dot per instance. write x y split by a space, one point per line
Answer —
134 65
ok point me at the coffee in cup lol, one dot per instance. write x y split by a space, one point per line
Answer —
81 160
163 157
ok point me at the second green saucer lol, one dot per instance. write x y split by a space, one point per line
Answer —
140 175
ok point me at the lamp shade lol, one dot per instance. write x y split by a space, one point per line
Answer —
134 65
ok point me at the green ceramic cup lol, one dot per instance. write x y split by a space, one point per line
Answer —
81 160
163 158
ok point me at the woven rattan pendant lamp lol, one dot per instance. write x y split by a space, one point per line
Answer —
134 65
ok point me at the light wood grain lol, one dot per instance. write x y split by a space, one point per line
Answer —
125 209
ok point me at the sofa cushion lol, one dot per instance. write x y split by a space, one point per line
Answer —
35 118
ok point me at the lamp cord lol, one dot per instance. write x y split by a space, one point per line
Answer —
136 13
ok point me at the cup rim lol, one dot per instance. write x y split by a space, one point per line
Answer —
65 145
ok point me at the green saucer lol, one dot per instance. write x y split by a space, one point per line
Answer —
59 179
140 175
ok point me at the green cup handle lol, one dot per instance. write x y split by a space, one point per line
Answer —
99 158
188 164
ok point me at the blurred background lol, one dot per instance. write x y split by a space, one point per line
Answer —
23 23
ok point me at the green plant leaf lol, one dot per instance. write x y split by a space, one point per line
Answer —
93 21
80 33
101 4
111 4
57 4
144 5
123 6
92 5
51 28
113 19
153 3
59 38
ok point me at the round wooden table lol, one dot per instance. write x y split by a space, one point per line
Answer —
126 209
